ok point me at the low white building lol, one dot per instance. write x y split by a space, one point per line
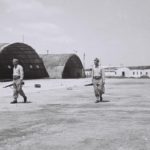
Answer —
88 72
140 71
123 72
129 72
110 71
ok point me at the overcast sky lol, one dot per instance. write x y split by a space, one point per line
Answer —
117 31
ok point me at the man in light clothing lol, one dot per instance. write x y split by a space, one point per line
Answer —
18 76
98 79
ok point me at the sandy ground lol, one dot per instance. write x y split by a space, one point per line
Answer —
62 115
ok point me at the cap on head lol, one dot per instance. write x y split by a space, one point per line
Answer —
96 60
15 60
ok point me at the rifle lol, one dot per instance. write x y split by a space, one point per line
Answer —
88 84
9 85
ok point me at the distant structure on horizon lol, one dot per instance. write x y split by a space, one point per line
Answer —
63 66
124 72
128 72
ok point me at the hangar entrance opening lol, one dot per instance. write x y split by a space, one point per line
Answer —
73 68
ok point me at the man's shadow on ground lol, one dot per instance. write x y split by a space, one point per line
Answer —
104 101
24 102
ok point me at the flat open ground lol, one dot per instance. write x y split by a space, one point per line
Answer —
63 116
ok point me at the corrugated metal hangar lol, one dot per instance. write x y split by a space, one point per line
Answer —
28 58
63 65
49 65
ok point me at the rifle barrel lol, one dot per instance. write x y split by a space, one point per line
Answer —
9 85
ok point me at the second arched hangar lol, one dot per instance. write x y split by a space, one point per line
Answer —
63 66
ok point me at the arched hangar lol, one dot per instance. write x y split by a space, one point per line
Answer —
63 65
28 58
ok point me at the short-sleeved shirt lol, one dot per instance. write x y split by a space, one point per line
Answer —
98 72
18 71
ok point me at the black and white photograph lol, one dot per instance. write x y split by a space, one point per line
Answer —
74 75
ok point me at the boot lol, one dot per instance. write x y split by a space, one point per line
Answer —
13 102
25 99
101 98
97 101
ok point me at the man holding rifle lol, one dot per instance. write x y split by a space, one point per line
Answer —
98 79
18 76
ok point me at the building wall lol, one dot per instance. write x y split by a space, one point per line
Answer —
55 72
126 72
139 73
122 72
110 73
88 73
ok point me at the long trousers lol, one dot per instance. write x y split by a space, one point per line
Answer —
17 89
99 88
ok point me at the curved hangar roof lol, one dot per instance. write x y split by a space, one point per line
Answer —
28 58
63 65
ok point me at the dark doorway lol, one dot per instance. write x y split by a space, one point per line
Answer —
73 68
123 74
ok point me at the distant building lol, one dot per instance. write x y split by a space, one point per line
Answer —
28 58
63 66
110 71
129 72
140 71
124 72
88 72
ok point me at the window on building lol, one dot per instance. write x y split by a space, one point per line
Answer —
9 67
133 73
147 73
37 66
141 73
30 66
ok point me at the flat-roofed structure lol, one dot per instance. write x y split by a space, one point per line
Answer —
129 72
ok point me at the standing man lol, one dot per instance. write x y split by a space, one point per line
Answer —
18 76
98 79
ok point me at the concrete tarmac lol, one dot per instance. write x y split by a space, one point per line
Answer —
67 118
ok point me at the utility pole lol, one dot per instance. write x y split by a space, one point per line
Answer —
83 70
47 52
84 60
23 38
